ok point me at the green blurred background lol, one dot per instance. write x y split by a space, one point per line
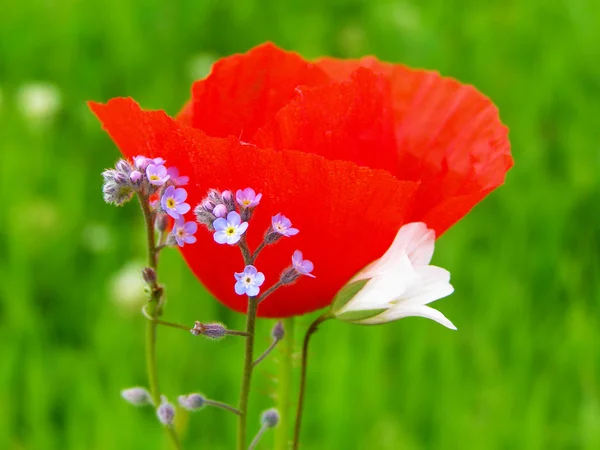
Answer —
523 370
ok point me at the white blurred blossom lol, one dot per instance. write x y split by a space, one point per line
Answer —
39 100
127 287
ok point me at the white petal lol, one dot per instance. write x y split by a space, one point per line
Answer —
420 244
435 285
413 239
390 283
401 311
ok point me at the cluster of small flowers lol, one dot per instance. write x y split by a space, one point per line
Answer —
148 177
228 216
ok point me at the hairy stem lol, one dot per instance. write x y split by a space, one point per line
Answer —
257 438
153 310
311 330
247 374
266 352
284 386
224 406
258 250
270 291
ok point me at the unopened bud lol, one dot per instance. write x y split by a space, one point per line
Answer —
192 402
220 211
214 197
135 177
116 188
204 217
165 412
162 222
270 418
228 200
213 330
137 396
149 275
278 332
124 167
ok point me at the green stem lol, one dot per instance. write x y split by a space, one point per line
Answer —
266 352
247 375
311 330
284 386
257 438
154 311
224 406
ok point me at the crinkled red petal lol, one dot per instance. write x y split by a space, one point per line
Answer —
448 136
350 120
244 91
347 214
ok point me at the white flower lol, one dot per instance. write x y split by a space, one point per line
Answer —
399 284
39 101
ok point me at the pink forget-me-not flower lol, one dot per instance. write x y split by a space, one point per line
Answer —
229 230
303 266
175 178
183 231
157 174
283 226
247 198
173 202
249 281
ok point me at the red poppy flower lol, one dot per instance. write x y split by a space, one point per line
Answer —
348 150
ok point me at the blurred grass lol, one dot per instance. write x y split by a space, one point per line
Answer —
523 372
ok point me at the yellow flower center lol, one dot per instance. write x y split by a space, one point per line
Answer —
170 203
230 230
246 202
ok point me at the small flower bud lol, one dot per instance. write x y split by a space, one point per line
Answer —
135 177
137 396
270 418
228 200
220 211
149 275
213 330
162 222
116 187
204 216
141 162
215 197
192 402
278 332
165 412
124 167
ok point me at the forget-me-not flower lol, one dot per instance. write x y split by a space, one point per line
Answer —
229 230
249 281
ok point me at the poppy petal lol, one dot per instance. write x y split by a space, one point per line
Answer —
349 120
347 214
244 91
448 135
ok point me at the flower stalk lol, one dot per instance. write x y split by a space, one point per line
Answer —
154 311
247 373
311 330
284 386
